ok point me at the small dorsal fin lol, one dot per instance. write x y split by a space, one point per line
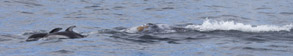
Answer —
55 30
70 28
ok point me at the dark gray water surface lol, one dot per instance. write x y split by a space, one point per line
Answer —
100 18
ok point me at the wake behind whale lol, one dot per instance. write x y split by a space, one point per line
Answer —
208 25
152 33
231 25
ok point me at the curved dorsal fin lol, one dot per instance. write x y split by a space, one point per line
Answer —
70 28
55 30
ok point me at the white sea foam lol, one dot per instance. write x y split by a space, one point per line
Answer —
164 28
231 25
131 30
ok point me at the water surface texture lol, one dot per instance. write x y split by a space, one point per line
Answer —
197 27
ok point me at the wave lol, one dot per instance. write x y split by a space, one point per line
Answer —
231 25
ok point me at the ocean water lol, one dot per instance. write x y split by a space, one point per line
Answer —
188 27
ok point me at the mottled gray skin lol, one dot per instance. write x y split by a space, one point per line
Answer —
37 36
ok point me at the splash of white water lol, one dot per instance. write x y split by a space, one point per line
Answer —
231 25
163 27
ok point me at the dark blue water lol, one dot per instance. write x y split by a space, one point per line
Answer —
199 27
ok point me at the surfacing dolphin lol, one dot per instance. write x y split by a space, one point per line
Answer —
69 33
37 36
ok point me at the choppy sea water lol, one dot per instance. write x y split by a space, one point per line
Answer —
202 27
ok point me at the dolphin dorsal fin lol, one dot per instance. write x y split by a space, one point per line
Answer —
70 28
55 30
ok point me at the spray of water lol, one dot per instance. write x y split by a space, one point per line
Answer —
231 25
